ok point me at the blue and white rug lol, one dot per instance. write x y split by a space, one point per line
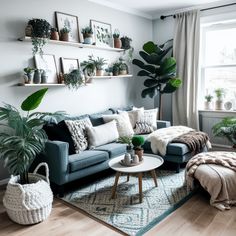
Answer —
125 212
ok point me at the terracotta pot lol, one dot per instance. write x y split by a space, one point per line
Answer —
64 37
117 43
54 35
99 72
139 152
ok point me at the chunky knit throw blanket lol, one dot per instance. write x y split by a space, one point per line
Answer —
160 138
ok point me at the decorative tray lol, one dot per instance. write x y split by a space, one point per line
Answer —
131 164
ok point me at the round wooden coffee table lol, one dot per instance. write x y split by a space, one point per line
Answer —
149 164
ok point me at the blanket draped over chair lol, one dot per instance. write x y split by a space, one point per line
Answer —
216 172
162 137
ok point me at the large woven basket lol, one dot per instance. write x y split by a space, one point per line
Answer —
29 203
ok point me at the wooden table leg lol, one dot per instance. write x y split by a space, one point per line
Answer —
153 173
127 177
113 193
140 176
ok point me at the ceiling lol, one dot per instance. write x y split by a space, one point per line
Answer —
153 8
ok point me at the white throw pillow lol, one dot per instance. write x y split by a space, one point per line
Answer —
102 134
134 116
124 126
77 130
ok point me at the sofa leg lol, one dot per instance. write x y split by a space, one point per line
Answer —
60 190
177 167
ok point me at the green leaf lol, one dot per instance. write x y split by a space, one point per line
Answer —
138 63
150 68
152 58
172 85
151 83
143 73
148 91
150 47
34 100
168 65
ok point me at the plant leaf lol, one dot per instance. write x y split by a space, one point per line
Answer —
151 83
148 91
34 100
150 47
143 73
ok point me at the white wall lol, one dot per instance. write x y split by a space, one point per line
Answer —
15 55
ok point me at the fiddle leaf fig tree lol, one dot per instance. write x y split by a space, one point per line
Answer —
160 70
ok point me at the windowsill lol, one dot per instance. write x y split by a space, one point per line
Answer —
218 111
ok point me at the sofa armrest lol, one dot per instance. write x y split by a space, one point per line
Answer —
57 157
163 124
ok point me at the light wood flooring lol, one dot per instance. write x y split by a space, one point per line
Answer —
195 217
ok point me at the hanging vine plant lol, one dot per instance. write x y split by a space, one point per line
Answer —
40 33
74 79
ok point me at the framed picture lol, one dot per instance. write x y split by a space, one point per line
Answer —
69 64
48 63
102 33
71 22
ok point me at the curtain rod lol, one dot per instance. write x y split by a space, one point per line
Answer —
204 9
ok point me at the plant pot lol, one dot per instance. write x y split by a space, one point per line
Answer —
64 37
29 203
88 38
208 105
28 31
99 72
123 72
37 77
115 73
117 43
54 36
139 152
219 105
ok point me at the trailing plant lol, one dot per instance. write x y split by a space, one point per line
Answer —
209 98
226 128
138 141
126 42
74 79
160 70
24 137
87 30
116 34
220 93
41 31
88 67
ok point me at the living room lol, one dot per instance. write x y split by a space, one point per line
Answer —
101 186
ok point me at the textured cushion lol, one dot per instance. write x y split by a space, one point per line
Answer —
76 117
114 149
102 134
143 128
123 123
149 117
96 119
86 159
60 132
134 116
77 129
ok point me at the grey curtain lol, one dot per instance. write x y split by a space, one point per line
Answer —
186 52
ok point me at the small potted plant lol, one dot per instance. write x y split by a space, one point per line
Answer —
87 35
127 140
116 37
116 69
208 100
88 69
137 142
64 34
74 79
220 93
109 70
123 68
126 42
40 33
54 34
29 75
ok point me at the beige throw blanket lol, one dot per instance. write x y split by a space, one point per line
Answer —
160 138
216 172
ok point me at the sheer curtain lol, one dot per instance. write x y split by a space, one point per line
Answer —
186 52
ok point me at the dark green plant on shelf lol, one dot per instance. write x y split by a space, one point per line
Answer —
226 128
208 98
74 79
160 70
40 33
87 31
24 137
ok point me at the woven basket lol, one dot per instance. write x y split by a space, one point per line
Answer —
29 203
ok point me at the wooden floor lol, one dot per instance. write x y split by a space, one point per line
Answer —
195 217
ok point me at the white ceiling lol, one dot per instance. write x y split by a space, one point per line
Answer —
153 8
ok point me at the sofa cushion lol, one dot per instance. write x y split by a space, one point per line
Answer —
96 119
114 149
86 158
76 117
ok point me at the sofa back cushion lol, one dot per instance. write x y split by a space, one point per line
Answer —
96 118
102 134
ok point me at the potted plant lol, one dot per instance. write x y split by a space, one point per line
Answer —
88 69
54 34
40 33
226 128
127 140
116 37
123 68
29 75
137 142
109 70
208 100
220 93
116 68
64 34
28 198
87 35
74 79
125 41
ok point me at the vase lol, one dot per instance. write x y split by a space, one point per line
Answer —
99 72
44 77
64 37
207 105
117 43
54 35
37 77
88 38
139 152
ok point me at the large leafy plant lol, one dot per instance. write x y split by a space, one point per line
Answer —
226 128
160 70
23 137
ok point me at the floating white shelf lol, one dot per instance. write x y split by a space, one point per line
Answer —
42 85
111 76
73 44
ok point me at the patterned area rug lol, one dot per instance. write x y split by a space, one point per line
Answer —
125 212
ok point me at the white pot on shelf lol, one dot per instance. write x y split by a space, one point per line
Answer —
219 105
208 105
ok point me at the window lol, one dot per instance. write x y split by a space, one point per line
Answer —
218 60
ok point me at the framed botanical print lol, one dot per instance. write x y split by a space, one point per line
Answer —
69 64
102 33
47 63
70 22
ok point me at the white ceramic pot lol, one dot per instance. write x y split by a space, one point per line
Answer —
219 105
